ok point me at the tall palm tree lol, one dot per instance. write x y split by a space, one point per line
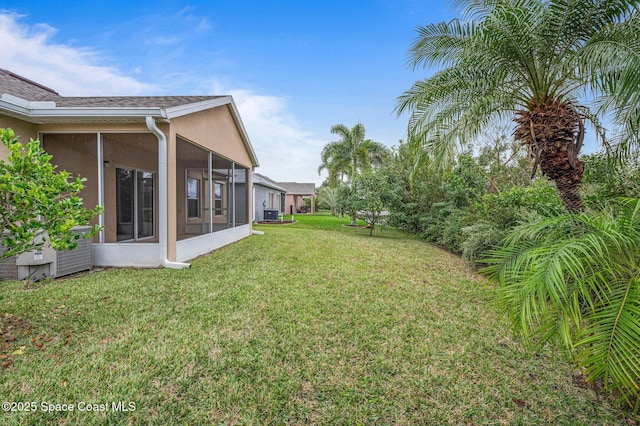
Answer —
550 65
351 154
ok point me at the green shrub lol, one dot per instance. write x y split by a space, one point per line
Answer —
479 238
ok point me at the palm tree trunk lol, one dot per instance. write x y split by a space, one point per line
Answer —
569 190
554 133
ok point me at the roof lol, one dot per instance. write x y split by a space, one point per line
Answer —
131 101
30 101
296 188
259 179
16 85
29 90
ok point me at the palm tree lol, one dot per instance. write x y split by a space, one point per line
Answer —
574 278
335 159
328 195
550 65
351 154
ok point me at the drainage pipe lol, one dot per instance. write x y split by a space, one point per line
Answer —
162 195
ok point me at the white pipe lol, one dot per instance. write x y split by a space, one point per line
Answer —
100 152
211 200
163 204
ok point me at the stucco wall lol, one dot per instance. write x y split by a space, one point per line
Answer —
24 131
214 129
77 154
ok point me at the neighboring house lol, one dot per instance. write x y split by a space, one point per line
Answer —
296 195
174 173
268 198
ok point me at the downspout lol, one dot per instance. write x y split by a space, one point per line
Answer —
163 201
100 152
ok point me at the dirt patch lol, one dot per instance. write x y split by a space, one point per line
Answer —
277 222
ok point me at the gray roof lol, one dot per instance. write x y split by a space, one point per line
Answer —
16 85
296 188
28 100
130 101
259 179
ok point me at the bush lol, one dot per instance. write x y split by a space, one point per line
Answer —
479 239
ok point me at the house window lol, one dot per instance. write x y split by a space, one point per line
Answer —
193 198
217 192
135 204
271 199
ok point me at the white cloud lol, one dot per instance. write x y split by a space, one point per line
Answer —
286 152
30 52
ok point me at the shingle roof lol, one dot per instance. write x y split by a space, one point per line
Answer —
16 85
265 181
130 101
102 109
296 188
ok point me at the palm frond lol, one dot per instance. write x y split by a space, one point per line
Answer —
575 279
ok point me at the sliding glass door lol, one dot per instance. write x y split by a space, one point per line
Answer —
135 204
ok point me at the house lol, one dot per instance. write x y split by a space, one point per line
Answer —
268 198
174 173
297 193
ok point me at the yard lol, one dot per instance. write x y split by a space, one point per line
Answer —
310 323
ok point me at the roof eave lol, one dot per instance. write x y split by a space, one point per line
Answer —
100 113
48 111
195 107
192 108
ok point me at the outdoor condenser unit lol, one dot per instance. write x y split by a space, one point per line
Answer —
79 259
271 214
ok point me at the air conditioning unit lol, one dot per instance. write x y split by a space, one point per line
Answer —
8 268
48 262
271 214
76 260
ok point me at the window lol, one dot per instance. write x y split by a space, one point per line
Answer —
218 199
193 198
135 204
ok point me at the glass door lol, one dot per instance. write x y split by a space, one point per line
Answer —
135 204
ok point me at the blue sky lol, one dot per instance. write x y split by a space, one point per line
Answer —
295 68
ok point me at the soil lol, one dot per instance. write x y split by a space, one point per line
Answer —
276 222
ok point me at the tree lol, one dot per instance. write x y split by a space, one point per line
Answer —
328 196
373 193
573 279
540 62
38 206
351 154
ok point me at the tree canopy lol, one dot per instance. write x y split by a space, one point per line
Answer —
351 154
548 65
38 205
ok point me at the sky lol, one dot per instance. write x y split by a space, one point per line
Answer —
294 68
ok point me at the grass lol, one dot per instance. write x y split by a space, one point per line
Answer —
310 323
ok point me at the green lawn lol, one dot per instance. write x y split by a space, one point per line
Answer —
310 323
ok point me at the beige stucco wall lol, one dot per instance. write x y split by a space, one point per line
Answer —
214 129
24 131
77 154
